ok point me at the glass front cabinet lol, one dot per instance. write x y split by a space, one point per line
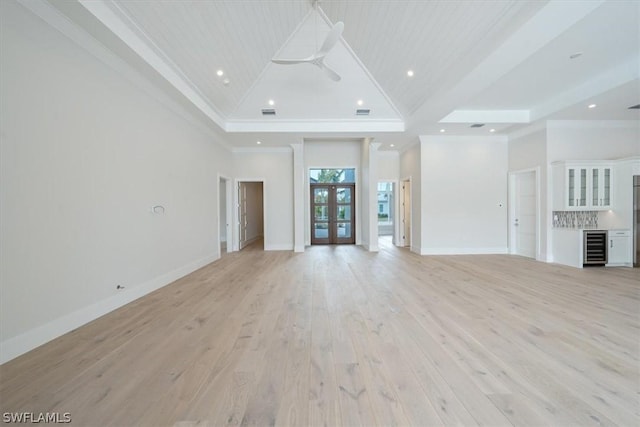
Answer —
582 186
576 193
600 189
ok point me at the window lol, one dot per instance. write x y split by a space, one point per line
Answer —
385 203
318 176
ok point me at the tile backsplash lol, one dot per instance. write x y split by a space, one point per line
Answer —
575 219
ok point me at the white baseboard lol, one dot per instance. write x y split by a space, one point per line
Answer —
280 247
372 248
464 251
14 347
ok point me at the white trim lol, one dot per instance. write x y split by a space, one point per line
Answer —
228 213
307 126
236 203
14 347
284 150
592 124
487 116
463 251
280 247
403 241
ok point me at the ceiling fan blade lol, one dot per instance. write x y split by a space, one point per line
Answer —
329 72
332 39
290 61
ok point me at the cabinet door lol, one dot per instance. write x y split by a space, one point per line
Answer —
619 252
600 189
576 188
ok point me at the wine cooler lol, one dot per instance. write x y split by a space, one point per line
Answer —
595 247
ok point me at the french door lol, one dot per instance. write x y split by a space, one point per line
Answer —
333 213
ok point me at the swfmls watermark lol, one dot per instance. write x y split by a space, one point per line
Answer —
36 417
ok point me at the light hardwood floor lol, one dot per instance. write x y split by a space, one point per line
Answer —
340 336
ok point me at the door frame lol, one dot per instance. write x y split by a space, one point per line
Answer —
395 236
402 238
511 213
228 213
236 206
307 203
331 206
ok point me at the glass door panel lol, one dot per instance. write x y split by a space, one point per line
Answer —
582 201
572 188
595 186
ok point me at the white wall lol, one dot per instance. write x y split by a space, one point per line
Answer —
274 167
464 194
410 169
84 155
591 140
388 166
333 155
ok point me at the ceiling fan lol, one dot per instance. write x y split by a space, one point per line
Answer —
317 58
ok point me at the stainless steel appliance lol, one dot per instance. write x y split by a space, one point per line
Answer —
636 220
595 247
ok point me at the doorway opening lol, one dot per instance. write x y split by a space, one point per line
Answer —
386 209
250 215
333 207
224 215
523 213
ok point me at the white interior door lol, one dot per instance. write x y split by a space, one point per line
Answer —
406 213
524 224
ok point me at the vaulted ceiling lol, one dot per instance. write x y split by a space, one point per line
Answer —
504 63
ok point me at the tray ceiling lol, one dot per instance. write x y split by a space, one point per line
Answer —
503 61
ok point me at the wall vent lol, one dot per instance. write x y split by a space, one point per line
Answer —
268 112
362 112
477 125
635 107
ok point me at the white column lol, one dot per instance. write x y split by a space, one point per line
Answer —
298 197
373 196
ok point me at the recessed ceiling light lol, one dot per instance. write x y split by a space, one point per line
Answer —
592 105
410 73
271 102
220 73
492 130
392 145
442 130
258 142
226 82
575 55
360 102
